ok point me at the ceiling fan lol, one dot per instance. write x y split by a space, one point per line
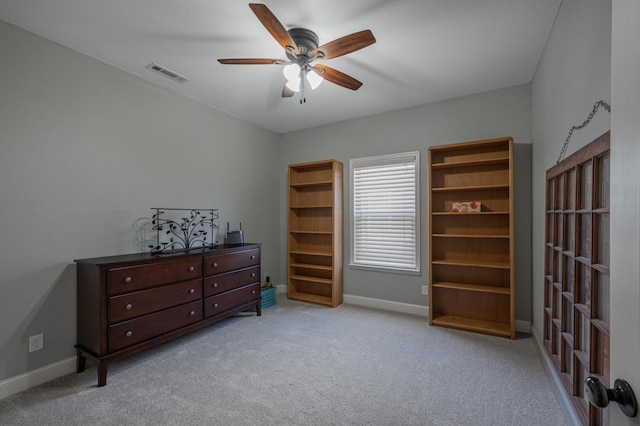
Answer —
302 50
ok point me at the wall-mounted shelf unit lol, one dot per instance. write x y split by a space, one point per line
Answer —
315 232
471 255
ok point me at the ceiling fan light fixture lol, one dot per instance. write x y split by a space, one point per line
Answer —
314 79
292 72
293 84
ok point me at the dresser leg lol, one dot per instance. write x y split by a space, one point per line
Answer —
81 362
102 373
259 307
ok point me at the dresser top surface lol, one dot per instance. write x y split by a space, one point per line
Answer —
177 255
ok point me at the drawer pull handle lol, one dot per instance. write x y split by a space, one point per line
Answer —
253 292
192 291
215 285
129 333
128 307
253 257
215 264
253 274
191 269
192 313
215 305
127 280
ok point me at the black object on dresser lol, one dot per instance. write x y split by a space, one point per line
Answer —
129 303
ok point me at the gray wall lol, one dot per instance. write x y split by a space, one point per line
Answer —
573 74
494 114
85 149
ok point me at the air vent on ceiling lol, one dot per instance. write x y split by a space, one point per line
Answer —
167 72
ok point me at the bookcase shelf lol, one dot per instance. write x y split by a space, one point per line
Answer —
473 324
311 298
311 266
471 255
471 262
474 164
470 188
473 287
315 233
317 184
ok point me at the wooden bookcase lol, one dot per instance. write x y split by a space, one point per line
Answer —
471 255
315 232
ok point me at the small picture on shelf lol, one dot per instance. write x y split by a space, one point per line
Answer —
466 207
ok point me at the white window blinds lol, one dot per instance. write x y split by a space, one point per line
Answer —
385 223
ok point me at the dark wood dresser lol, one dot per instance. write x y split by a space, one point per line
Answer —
132 302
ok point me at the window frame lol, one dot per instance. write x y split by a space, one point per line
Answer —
380 160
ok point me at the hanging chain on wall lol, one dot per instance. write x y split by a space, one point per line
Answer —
596 106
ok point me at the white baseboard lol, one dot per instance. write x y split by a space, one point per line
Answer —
523 326
570 414
386 305
407 308
36 377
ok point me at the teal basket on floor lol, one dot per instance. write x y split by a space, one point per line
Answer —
268 297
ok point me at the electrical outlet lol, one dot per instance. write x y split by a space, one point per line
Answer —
36 342
267 278
425 290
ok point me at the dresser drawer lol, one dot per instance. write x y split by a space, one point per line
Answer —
221 283
220 303
132 278
221 263
136 330
131 305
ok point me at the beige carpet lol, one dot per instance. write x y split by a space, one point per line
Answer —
301 364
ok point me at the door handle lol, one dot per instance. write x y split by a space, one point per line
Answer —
600 396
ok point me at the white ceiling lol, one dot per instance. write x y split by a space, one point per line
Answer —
426 50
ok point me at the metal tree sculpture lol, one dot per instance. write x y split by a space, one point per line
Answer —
195 230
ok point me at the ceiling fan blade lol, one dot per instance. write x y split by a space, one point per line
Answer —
286 92
339 78
346 44
251 61
275 28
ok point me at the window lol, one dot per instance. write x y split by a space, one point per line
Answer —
385 212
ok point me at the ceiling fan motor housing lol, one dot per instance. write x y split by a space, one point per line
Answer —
306 40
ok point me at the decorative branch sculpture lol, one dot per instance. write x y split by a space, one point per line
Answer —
193 230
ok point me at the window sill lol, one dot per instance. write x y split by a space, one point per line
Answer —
385 269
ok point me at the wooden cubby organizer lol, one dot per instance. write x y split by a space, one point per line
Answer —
471 255
315 232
